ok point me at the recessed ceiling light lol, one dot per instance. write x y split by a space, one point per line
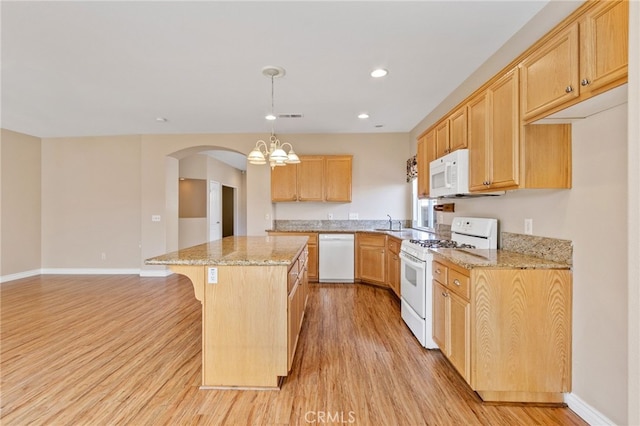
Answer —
270 117
161 120
363 115
380 72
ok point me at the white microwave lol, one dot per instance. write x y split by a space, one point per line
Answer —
449 175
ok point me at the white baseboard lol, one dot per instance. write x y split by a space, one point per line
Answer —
155 273
19 275
587 412
89 271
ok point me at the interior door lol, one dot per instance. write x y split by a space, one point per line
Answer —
215 211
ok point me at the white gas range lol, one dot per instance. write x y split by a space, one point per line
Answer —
416 288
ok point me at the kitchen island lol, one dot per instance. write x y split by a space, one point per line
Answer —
253 292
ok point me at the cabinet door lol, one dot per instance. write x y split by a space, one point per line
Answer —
311 178
550 74
440 297
393 269
504 161
459 335
442 138
477 112
458 129
337 177
284 183
371 258
312 262
426 154
604 37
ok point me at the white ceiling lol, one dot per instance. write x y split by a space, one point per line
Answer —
103 68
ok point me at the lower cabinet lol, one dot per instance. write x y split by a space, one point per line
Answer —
297 302
371 258
313 251
393 264
506 331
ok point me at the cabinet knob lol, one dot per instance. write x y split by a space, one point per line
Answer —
444 294
585 82
438 271
456 282
569 89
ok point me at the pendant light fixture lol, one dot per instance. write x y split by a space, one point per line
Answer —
274 150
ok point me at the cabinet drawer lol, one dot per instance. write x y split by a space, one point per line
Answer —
371 240
458 283
293 275
393 245
439 272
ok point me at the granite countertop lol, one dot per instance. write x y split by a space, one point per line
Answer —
237 251
484 258
404 234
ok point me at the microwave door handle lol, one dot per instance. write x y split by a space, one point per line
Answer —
447 168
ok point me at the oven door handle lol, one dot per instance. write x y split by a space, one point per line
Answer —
412 260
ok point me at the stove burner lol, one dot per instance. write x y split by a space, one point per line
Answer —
441 244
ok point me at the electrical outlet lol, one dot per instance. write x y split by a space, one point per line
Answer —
103 256
330 216
212 275
353 216
528 226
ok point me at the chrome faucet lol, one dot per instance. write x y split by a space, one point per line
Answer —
390 223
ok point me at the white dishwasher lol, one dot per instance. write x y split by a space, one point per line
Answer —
336 258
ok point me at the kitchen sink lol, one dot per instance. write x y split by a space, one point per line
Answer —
388 230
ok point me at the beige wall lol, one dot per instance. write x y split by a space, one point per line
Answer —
20 187
91 203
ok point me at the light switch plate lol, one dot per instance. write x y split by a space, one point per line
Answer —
155 218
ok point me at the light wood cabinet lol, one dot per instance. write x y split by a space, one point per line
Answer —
316 178
458 129
494 143
487 323
550 74
371 258
451 312
586 57
426 154
393 264
284 183
311 178
312 251
604 46
297 301
442 138
338 178
505 155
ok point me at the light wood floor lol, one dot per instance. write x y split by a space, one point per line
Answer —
124 350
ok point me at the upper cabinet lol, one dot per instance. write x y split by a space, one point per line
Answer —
550 74
426 154
316 178
451 133
494 142
337 178
583 59
604 45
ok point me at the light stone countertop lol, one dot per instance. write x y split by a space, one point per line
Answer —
500 259
237 251
404 234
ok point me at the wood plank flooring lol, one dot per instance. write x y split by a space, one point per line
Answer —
125 350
